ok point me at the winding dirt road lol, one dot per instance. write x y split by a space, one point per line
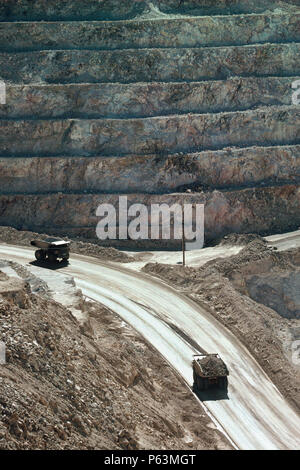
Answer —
255 415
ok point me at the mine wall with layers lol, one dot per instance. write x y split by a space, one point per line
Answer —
150 100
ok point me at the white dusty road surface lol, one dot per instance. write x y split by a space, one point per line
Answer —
285 241
255 415
197 258
193 258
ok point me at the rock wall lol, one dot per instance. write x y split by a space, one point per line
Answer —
150 100
246 210
279 291
53 10
150 65
221 169
192 32
145 136
140 100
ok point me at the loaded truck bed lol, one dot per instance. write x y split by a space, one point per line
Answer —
209 371
52 249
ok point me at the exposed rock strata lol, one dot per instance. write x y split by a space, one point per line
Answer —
156 97
117 100
181 32
269 209
149 65
151 173
151 135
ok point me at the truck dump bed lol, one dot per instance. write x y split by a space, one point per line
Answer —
51 250
50 243
210 365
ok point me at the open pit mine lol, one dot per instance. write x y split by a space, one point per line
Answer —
150 100
134 341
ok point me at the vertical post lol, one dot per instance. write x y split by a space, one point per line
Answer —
183 238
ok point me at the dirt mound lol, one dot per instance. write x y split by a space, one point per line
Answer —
255 252
20 237
278 290
241 239
71 386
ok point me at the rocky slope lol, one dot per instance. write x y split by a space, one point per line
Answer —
254 209
96 385
149 99
253 294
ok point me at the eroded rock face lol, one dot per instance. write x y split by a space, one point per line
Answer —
150 135
170 101
279 291
25 10
210 7
14 290
149 65
249 210
151 173
190 32
140 100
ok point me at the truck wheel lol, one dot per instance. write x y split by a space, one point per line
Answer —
39 255
52 258
66 257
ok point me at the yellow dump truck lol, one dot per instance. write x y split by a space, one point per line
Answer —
209 371
51 249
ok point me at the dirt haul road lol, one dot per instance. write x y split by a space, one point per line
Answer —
285 241
255 416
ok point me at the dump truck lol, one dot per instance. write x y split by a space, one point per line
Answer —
51 249
209 371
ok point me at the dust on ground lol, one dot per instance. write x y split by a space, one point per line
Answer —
91 385
20 237
223 287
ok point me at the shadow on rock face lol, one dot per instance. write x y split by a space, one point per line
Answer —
54 10
210 7
277 290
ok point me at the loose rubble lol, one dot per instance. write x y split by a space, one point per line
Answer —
96 385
